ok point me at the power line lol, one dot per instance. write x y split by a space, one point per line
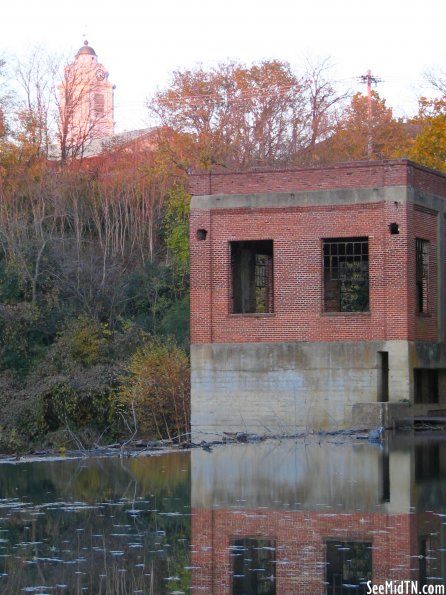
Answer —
369 80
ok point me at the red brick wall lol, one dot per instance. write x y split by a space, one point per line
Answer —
297 234
427 180
300 545
342 175
298 285
201 277
424 226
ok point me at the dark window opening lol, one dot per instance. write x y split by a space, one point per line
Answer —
431 567
425 385
346 275
426 555
252 277
422 276
201 235
253 567
427 462
385 469
349 567
383 364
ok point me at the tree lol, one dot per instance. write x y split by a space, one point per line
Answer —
437 79
429 147
61 120
366 130
37 76
239 116
5 101
324 102
157 389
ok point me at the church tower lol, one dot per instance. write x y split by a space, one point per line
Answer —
86 102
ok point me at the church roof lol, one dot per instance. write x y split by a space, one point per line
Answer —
117 141
86 49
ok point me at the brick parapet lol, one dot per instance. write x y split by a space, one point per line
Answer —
366 174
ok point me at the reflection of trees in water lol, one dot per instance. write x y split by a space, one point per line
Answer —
97 526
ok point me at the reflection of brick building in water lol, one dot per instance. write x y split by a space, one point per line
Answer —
317 297
302 543
309 539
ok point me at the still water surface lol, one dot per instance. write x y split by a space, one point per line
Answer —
268 518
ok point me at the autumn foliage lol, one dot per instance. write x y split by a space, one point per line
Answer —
429 147
157 388
366 129
239 116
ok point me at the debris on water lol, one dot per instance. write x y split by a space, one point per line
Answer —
376 435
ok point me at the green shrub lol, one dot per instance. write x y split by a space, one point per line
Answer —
68 404
82 410
157 389
17 322
176 322
84 341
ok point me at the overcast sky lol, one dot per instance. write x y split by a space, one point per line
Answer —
142 42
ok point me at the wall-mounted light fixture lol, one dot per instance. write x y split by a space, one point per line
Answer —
201 234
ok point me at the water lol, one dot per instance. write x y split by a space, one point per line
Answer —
292 517
96 526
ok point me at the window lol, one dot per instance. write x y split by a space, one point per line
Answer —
251 277
422 275
253 567
429 566
425 385
428 463
349 567
346 274
99 103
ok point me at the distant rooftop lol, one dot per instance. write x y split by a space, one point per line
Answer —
113 141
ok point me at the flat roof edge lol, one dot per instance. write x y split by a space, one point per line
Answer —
337 176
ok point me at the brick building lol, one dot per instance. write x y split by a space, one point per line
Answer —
317 297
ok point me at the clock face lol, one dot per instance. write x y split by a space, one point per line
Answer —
100 74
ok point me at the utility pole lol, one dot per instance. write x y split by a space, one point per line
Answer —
369 79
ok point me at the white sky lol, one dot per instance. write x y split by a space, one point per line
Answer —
141 42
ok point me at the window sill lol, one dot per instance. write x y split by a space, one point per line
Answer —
423 315
253 315
365 314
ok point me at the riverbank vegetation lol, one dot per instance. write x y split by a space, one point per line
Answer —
94 304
